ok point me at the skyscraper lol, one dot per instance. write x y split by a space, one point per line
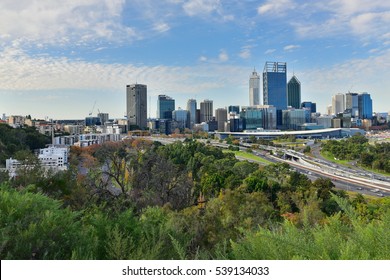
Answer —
294 92
191 107
309 105
136 99
254 89
338 103
275 87
206 110
352 104
221 118
181 117
365 106
234 108
165 107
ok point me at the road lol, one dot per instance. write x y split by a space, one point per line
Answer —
344 178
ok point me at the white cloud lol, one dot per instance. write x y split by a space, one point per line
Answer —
291 47
269 51
57 21
369 74
200 7
245 53
223 56
275 7
203 58
161 27
20 71
366 20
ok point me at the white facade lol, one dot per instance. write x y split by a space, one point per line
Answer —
51 158
338 103
54 157
254 89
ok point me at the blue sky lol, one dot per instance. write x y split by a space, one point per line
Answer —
58 57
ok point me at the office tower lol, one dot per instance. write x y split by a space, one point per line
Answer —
338 104
197 120
182 117
309 105
254 89
136 97
103 118
165 107
352 104
275 87
221 118
260 116
294 92
191 108
365 106
206 110
294 118
234 109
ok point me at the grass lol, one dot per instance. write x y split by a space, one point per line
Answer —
328 156
248 156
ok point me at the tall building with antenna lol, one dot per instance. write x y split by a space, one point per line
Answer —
275 87
254 89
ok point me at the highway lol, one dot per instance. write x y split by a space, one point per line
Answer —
348 179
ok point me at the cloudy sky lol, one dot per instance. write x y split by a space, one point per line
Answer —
59 57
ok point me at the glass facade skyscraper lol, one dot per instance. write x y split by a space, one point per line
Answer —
365 106
234 108
275 87
191 107
260 116
352 104
165 107
294 92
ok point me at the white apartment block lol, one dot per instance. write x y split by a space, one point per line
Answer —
51 158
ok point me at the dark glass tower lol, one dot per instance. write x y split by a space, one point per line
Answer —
365 106
275 87
165 107
294 92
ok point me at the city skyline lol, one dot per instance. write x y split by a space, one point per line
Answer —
59 58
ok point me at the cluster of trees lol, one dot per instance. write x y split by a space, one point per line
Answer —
141 200
375 156
13 140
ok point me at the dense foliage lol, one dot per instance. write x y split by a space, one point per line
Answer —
375 156
17 139
141 200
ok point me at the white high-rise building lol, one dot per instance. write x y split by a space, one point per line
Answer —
254 89
338 103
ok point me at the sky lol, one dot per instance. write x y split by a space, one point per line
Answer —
64 59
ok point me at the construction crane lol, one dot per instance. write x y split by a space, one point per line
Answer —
93 107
